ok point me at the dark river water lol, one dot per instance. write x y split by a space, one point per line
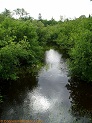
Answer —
50 96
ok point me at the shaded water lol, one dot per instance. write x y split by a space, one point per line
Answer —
48 96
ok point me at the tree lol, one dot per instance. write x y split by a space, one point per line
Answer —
6 13
21 12
39 16
82 16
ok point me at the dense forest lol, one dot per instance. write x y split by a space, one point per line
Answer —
23 41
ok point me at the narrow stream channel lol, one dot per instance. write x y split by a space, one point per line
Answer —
43 97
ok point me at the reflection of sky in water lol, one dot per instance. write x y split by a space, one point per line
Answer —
52 57
50 98
39 103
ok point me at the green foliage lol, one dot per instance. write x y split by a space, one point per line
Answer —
81 58
23 42
19 47
11 56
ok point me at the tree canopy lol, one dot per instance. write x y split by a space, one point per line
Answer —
23 42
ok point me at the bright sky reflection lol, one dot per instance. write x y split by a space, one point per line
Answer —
39 102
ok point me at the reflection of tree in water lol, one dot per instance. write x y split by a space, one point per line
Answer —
15 91
81 98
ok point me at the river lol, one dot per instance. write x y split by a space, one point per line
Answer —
49 96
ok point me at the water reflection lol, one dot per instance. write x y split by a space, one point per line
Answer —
49 101
14 93
81 95
39 103
52 57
